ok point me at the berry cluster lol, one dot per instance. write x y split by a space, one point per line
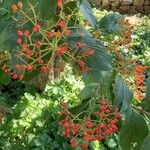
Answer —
94 126
139 76
129 67
43 42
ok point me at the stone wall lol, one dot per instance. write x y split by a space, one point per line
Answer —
124 6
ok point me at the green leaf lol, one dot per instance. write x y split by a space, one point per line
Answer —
108 24
123 97
15 60
8 37
3 12
100 60
80 108
4 78
111 143
133 133
71 8
30 75
146 143
88 91
97 62
48 9
86 10
147 98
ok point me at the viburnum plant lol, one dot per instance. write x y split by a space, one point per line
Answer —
35 35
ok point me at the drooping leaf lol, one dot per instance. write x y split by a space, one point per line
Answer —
3 12
97 62
30 75
15 60
123 97
48 9
80 108
86 10
108 24
8 37
100 60
133 132
146 143
4 78
88 91
147 98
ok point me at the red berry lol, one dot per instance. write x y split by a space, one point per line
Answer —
19 33
73 143
36 28
20 4
118 116
38 44
15 76
29 67
45 69
20 77
26 33
40 61
14 7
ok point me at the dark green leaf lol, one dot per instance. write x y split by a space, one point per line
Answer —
71 8
100 60
80 108
133 133
108 24
123 97
88 91
4 78
8 38
86 10
48 9
146 143
3 11
30 75
147 99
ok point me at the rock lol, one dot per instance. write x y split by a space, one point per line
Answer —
147 8
126 2
115 9
140 9
147 2
115 3
106 3
132 10
125 8
138 2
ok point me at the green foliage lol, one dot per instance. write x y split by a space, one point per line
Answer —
141 44
87 11
48 9
88 91
147 98
108 24
7 35
146 143
133 132
123 97
4 78
99 61
66 88
34 125
10 93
